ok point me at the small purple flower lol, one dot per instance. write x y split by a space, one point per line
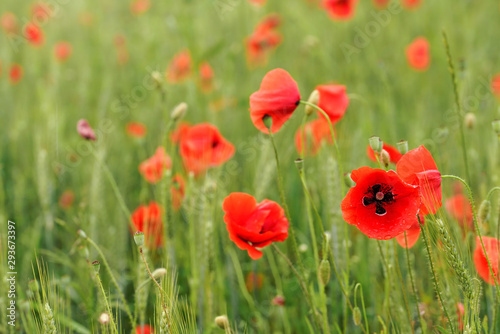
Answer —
84 130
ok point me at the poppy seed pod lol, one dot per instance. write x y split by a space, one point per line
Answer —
139 238
179 111
402 146
484 211
268 121
470 120
222 322
313 99
376 144
324 272
299 163
97 266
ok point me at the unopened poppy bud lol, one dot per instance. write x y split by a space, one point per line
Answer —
156 77
158 273
328 236
139 238
313 99
348 180
470 120
484 211
303 248
33 285
402 146
376 144
97 266
84 251
356 316
496 126
84 130
179 111
278 301
299 163
324 272
385 158
82 234
222 322
268 121
104 318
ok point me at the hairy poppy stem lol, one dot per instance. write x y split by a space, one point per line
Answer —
433 271
460 112
413 286
111 317
398 269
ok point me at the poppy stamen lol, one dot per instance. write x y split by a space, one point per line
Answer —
380 195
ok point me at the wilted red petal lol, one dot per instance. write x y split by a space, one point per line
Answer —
460 209
412 234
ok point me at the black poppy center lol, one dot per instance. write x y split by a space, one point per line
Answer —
379 196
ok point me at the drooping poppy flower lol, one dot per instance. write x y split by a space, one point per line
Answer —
313 135
180 67
411 4
153 168
179 131
147 219
62 51
412 234
460 315
254 281
138 7
278 97
333 100
15 74
203 147
144 329
418 54
206 77
253 225
460 209
393 152
492 247
340 9
381 205
495 85
177 191
34 34
66 199
136 129
85 130
8 21
381 4
417 167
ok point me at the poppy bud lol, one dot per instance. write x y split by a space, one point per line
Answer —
96 265
385 158
278 301
324 272
470 120
157 78
303 248
376 144
484 211
313 99
158 273
179 111
82 234
356 315
104 318
84 251
348 180
84 130
328 236
402 146
268 121
222 322
299 163
496 126
139 238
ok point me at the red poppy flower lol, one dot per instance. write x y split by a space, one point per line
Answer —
206 77
492 246
411 4
152 169
495 85
62 51
412 234
418 54
258 2
33 34
460 315
333 100
147 219
138 7
278 301
278 97
381 4
460 209
15 73
202 147
340 9
85 130
136 129
179 131
180 67
144 329
8 21
253 225
41 12
417 167
393 152
313 135
254 281
262 41
66 199
271 21
177 191
381 205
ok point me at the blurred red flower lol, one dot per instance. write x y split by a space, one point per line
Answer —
417 167
253 225
85 130
278 97
333 100
139 7
258 2
263 40
492 246
152 168
206 77
15 74
460 209
144 329
136 129
66 199
62 51
313 135
393 152
495 85
460 315
8 21
179 131
177 191
203 147
340 9
41 12
33 34
381 4
418 54
254 281
411 4
381 205
147 219
180 67
412 234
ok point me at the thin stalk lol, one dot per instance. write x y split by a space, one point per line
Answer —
412 280
111 317
398 269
